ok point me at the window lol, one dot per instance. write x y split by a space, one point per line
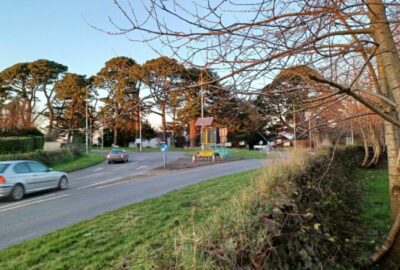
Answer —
116 152
21 168
3 167
37 167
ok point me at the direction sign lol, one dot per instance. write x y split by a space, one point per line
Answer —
164 147
205 121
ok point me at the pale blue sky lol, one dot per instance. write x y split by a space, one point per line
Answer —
56 30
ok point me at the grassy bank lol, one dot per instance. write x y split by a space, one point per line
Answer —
302 212
376 204
78 162
131 236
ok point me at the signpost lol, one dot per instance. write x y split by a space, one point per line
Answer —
164 150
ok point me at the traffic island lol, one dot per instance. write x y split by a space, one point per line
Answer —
187 162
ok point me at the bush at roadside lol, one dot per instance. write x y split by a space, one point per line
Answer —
27 144
48 158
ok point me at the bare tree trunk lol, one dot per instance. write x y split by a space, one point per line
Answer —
389 82
174 125
192 132
163 122
51 120
115 135
366 148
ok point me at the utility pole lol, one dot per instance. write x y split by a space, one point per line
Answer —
202 108
102 137
140 125
309 129
87 125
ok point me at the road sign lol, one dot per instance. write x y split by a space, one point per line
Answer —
164 150
205 121
164 147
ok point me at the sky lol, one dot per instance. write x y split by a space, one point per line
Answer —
57 30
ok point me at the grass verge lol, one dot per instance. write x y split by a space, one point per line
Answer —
301 212
130 235
79 162
237 153
376 204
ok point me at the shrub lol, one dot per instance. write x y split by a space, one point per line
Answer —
16 144
38 142
48 158
22 132
21 144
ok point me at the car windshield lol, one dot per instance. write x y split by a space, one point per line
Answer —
3 167
116 151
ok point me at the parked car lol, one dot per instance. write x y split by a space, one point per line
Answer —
117 155
20 177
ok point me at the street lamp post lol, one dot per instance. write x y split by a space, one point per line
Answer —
87 127
202 109
140 126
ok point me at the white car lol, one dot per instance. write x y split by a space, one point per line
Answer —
20 177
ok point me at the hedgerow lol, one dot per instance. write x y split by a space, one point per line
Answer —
48 158
20 144
302 212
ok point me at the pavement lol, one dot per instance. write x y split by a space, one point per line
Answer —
102 188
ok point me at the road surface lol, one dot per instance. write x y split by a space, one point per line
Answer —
102 188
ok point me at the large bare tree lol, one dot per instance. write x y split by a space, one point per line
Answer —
251 41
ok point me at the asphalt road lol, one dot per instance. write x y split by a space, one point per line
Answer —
102 188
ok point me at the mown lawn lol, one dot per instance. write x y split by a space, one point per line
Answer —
237 153
129 235
80 162
376 204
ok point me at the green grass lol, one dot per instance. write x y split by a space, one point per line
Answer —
128 235
78 163
376 204
237 153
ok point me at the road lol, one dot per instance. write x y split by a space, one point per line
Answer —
100 189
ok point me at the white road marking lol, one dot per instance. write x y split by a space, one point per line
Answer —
98 169
99 183
113 184
88 176
142 167
119 168
12 207
26 201
119 182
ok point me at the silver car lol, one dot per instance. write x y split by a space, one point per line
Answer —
117 155
20 177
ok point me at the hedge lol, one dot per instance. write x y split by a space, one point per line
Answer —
48 158
23 132
298 217
20 144
38 142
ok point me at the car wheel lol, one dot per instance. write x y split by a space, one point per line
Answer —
63 183
109 162
17 192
